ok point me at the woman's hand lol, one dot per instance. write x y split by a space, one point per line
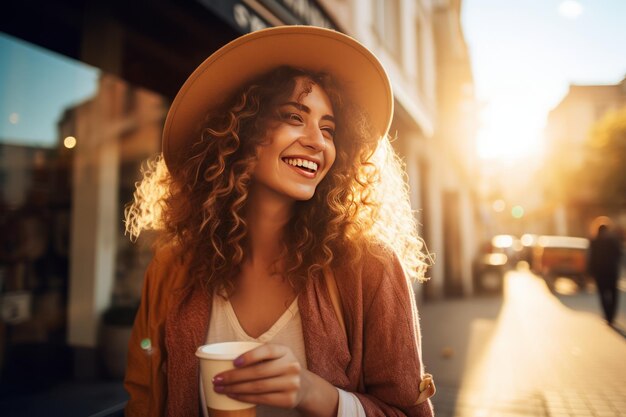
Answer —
271 375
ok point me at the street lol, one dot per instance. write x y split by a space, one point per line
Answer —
528 353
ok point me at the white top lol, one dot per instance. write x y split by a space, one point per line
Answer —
287 331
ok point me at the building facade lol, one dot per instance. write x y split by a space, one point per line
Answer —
455 146
567 131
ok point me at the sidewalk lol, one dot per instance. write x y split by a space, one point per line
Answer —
533 357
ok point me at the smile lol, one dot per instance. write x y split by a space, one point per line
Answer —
305 165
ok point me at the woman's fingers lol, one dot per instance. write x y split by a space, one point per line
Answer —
263 370
276 399
266 361
262 386
262 353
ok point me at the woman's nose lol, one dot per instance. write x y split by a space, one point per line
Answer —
313 139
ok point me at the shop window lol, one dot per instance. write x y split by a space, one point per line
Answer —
72 139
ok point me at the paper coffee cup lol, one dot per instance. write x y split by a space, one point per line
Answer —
214 359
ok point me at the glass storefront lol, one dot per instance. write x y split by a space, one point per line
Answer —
72 139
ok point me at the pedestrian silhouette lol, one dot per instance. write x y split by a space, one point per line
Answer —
604 264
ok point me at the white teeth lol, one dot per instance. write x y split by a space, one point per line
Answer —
301 163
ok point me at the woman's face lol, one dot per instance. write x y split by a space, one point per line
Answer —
298 150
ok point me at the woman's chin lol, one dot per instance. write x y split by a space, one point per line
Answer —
302 193
304 197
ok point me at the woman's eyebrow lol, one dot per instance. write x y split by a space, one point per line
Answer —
307 110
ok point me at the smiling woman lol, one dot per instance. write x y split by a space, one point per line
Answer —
277 177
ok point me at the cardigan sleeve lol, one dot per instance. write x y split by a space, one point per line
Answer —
392 366
144 380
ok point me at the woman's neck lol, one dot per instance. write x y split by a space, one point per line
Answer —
267 214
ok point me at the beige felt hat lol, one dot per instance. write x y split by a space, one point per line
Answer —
355 69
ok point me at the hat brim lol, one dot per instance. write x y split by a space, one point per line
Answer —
357 72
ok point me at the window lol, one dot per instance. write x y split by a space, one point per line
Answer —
71 140
420 55
387 26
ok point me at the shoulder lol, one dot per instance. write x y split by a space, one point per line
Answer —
378 272
381 263
167 270
169 256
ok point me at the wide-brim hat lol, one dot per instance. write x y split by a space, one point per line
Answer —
357 72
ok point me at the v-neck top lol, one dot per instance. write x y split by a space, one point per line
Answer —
224 326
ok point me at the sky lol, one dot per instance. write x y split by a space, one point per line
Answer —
524 56
35 89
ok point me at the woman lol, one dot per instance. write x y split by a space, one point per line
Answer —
276 172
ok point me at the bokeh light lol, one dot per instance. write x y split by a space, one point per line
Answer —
528 239
502 241
498 206
146 344
69 142
517 212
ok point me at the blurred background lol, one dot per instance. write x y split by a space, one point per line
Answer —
510 119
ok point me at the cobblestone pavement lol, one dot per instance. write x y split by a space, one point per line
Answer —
536 357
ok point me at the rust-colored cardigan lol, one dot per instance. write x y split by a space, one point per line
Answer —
380 362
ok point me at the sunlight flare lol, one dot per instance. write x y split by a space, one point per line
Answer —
509 130
570 9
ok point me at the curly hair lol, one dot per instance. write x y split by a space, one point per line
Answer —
361 204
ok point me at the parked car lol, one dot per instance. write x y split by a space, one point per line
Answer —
498 256
490 269
561 256
509 245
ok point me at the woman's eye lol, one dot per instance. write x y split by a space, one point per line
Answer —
293 117
329 132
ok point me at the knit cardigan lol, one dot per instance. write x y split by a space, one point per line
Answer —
377 358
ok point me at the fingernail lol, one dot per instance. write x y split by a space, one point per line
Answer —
238 361
218 380
218 388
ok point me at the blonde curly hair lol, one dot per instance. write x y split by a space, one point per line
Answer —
361 204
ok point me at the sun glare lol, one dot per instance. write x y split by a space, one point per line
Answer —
508 131
570 9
